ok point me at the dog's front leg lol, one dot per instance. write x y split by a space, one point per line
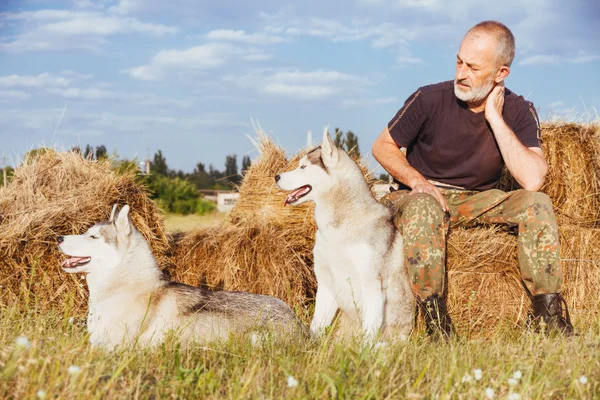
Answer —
373 307
325 309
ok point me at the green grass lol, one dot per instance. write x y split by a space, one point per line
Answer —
184 223
328 368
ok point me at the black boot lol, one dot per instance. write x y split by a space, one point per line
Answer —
437 320
552 309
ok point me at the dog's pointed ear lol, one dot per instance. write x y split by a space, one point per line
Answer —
113 213
122 223
329 152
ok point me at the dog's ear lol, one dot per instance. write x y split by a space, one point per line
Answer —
122 223
113 213
329 152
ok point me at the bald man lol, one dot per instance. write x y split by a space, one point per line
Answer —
446 147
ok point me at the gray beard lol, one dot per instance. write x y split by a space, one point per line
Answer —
475 95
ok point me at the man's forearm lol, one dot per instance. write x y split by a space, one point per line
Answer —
393 160
526 166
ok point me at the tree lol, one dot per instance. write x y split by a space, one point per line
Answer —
384 177
352 144
89 152
338 138
231 169
101 152
76 150
200 177
159 165
246 164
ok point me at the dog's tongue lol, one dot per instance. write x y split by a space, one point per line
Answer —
74 261
293 197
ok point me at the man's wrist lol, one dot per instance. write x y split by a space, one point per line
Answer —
495 120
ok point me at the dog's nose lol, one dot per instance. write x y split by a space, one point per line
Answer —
277 178
60 239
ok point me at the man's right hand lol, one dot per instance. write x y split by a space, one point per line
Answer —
426 187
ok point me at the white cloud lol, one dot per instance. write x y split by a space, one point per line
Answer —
541 59
68 30
83 93
13 95
241 36
39 81
203 57
299 85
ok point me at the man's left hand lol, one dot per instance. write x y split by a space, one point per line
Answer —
495 102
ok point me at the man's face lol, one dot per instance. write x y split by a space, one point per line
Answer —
475 68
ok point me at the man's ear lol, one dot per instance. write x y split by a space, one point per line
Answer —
502 73
113 213
329 152
122 223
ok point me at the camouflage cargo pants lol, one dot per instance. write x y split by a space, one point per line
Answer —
425 227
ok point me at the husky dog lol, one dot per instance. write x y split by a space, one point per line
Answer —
358 253
130 302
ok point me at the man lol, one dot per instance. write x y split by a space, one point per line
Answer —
458 136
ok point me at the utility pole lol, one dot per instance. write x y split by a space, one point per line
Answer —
147 164
4 170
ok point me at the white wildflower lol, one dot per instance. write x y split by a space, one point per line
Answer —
292 382
489 393
477 374
467 378
512 382
74 370
583 380
71 320
22 342
517 374
41 394
514 396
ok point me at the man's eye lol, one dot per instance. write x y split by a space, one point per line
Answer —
94 237
302 166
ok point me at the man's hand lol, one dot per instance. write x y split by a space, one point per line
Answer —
428 188
495 103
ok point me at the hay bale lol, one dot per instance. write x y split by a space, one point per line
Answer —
60 193
573 180
259 259
484 282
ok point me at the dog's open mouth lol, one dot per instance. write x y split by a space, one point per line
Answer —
73 262
297 194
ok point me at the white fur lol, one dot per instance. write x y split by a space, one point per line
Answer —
356 271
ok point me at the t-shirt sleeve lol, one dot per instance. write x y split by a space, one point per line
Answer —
527 126
407 123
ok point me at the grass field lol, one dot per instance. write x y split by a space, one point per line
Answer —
184 223
46 354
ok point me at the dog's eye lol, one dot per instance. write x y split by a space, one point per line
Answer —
302 166
94 237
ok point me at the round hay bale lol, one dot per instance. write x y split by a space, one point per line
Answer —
573 179
257 259
484 282
60 193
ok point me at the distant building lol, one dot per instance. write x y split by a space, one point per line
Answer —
225 199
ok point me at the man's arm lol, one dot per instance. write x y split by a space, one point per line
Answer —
392 159
526 164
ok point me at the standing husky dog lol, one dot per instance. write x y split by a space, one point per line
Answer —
358 252
131 302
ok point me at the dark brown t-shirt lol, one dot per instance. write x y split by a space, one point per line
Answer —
448 143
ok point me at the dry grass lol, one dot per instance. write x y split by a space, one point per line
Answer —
55 194
573 180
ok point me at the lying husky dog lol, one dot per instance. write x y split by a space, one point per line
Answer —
130 301
358 252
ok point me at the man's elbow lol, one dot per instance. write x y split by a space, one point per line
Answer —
376 150
534 184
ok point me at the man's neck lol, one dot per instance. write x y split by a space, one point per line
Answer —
477 107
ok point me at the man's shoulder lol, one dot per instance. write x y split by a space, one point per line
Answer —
515 101
435 92
437 88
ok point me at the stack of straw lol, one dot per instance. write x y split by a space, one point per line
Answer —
53 194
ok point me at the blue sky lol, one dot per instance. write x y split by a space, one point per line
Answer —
186 76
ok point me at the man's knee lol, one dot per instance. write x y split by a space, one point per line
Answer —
424 201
